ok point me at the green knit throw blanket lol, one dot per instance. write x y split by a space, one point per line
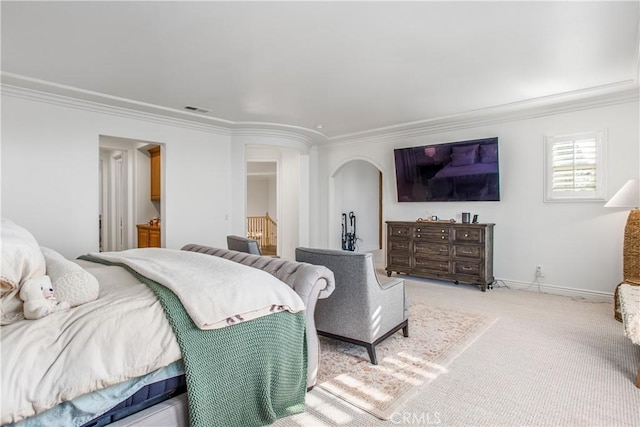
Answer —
248 374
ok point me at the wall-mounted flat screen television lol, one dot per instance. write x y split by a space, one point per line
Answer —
450 172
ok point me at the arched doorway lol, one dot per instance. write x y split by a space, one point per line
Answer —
357 203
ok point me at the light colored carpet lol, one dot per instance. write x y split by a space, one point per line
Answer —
436 337
548 361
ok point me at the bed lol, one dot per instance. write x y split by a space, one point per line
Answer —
154 323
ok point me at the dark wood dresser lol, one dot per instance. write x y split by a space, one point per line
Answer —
442 250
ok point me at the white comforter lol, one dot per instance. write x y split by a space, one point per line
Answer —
215 292
94 345
121 335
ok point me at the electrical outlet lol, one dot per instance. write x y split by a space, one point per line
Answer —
539 272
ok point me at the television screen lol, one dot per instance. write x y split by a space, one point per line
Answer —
450 172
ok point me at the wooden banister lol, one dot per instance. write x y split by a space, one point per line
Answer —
263 229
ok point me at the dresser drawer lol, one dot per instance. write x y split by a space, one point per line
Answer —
467 268
433 234
468 251
471 235
399 245
428 264
427 249
399 261
399 231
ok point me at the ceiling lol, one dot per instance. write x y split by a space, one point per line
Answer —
349 67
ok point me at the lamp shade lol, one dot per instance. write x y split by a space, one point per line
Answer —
627 197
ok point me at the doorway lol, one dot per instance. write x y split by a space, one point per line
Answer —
125 192
262 204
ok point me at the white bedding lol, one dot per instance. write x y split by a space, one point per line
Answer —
214 291
40 364
124 333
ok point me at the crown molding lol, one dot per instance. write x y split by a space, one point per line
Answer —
602 96
273 136
112 110
41 91
299 137
308 137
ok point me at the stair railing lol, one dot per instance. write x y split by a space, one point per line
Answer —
264 229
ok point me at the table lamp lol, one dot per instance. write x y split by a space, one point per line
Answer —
629 197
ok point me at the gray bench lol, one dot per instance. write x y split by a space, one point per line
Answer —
311 282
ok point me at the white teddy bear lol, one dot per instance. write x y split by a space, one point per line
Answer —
39 301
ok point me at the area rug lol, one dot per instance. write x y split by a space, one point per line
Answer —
436 337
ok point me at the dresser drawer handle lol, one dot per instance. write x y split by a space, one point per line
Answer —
443 237
418 235
419 229
466 234
467 252
465 268
442 231
443 250
444 266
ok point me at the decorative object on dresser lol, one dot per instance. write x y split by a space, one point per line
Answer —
149 236
442 250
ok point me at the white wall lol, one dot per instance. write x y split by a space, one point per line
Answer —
578 244
258 195
50 173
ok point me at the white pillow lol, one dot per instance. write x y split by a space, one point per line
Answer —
71 283
21 255
21 260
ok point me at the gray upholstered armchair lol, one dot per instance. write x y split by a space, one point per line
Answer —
361 310
243 244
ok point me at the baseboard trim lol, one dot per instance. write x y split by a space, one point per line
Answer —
556 290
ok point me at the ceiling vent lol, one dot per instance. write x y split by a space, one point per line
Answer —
195 109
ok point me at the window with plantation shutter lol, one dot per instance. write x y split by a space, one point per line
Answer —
575 167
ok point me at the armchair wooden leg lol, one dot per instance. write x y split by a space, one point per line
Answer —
638 375
405 330
372 354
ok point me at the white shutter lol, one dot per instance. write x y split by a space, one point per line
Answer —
575 167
